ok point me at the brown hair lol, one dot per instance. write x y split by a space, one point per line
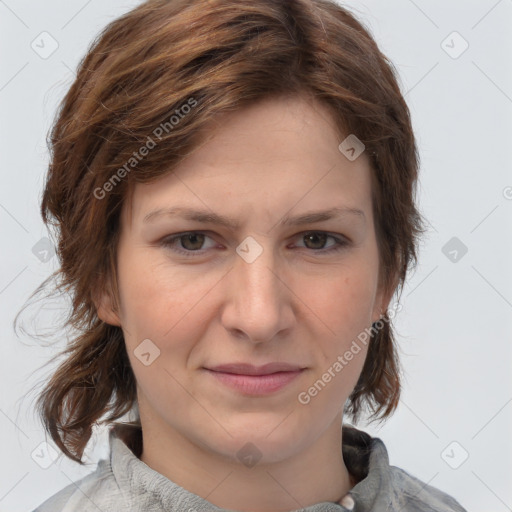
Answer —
214 56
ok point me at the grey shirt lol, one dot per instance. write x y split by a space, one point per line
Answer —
125 483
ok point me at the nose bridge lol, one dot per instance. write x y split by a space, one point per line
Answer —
256 270
257 303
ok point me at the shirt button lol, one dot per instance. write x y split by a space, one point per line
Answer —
347 502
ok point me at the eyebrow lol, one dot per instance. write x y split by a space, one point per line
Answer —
206 216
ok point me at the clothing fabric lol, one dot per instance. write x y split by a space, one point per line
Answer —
124 483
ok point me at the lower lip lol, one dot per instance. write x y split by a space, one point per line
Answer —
256 384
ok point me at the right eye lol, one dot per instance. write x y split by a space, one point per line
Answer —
186 243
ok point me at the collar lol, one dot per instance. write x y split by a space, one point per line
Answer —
366 458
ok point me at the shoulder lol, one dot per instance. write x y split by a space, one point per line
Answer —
98 490
416 495
382 486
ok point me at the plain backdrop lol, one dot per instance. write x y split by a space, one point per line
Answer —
453 426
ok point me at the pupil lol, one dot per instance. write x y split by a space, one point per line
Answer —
193 236
320 236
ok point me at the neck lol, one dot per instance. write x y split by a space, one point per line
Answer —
314 475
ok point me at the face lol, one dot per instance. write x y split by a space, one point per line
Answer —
271 287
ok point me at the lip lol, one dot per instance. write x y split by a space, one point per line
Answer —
252 380
249 369
256 384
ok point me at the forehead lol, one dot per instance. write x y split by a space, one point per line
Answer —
266 155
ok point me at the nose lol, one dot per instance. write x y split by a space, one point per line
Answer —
259 304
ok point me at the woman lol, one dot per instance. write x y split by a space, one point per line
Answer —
232 186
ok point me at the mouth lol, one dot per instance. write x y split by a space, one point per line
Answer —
249 369
252 380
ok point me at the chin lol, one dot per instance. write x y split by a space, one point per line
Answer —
266 441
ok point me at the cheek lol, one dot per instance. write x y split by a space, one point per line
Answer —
159 301
164 305
345 310
344 302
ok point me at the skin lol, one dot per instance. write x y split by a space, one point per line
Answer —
291 304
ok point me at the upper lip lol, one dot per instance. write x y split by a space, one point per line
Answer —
249 369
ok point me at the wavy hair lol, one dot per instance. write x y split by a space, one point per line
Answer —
214 56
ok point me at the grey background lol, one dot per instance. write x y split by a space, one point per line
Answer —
455 326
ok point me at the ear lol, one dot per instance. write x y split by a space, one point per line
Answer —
383 299
105 307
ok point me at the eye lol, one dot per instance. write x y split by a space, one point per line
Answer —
186 243
192 243
316 240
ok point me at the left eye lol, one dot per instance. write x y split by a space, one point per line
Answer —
192 242
318 237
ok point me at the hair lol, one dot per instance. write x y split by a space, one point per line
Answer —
131 91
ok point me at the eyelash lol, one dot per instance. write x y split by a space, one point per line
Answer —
169 242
